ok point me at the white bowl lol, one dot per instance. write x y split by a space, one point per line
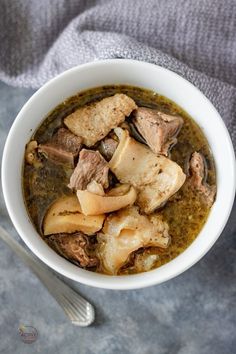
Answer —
139 74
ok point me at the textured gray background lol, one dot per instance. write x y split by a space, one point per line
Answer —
192 314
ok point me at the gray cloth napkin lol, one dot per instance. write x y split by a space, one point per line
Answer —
194 38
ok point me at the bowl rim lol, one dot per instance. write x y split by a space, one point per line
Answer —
105 281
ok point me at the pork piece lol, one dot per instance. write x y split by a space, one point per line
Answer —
125 232
73 247
64 147
91 167
156 178
94 121
198 174
157 128
108 147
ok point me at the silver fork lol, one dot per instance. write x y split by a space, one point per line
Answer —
79 310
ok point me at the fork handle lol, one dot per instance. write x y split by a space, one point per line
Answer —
54 285
19 250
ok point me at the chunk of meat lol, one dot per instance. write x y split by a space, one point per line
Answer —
63 147
157 128
95 188
108 147
94 121
91 167
126 231
156 178
73 247
198 174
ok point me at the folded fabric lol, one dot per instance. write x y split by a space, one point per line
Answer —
196 39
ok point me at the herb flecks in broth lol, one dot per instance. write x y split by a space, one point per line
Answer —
185 212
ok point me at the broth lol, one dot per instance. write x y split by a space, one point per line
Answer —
185 212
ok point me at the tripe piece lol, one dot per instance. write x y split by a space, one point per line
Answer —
156 178
65 216
94 204
125 232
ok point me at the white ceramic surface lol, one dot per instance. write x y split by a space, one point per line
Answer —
134 73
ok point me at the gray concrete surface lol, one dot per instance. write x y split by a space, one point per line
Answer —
194 313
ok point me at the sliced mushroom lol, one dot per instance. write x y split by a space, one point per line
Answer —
94 204
125 232
156 178
65 216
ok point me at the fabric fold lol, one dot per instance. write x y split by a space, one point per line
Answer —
194 39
